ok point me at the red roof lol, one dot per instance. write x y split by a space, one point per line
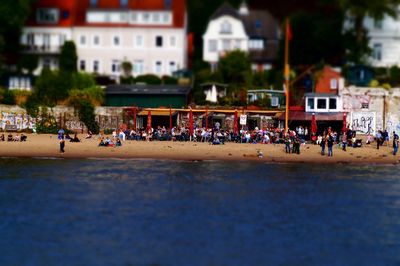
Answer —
77 11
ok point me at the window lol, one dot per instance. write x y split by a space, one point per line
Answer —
93 3
138 67
321 103
172 41
212 46
82 65
96 65
116 41
82 40
332 104
30 39
156 17
47 15
62 38
96 40
226 45
377 52
115 66
226 28
167 4
334 84
46 41
46 63
134 17
123 3
146 17
139 41
172 67
274 101
158 67
166 18
237 44
257 24
365 105
159 41
256 44
310 103
65 14
378 24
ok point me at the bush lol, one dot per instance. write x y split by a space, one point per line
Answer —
169 80
94 94
47 123
148 79
8 97
21 96
87 116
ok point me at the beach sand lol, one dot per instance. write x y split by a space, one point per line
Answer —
43 145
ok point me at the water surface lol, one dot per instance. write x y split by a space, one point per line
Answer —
144 212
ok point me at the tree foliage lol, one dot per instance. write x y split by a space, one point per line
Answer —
148 79
87 115
68 57
235 67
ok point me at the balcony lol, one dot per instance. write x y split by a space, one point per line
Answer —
41 49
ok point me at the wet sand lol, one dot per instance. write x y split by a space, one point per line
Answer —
44 145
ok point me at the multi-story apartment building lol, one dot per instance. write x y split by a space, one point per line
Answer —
255 32
151 35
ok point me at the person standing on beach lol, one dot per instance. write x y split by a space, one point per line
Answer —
323 142
62 145
330 141
395 143
378 139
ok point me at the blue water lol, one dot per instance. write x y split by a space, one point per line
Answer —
143 212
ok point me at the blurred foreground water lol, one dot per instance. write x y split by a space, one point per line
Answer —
146 212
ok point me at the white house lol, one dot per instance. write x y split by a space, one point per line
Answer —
253 31
151 35
384 40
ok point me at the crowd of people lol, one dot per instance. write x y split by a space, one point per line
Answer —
12 138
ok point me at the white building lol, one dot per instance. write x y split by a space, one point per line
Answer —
253 31
151 35
384 40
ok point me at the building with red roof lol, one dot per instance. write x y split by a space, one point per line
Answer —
151 35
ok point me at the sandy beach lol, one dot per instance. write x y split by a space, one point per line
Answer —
44 145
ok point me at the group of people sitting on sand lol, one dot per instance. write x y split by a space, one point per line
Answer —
107 142
11 138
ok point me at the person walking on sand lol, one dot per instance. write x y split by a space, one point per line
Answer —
395 143
62 145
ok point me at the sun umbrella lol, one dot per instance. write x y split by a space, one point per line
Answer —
313 124
344 128
206 117
149 120
235 123
170 119
190 122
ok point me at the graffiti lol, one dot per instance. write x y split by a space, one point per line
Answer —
22 121
364 122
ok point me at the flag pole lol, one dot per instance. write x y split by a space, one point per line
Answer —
287 74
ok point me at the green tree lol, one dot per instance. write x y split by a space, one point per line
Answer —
13 15
28 62
46 87
87 115
235 67
68 57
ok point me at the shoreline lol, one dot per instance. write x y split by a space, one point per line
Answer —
47 146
